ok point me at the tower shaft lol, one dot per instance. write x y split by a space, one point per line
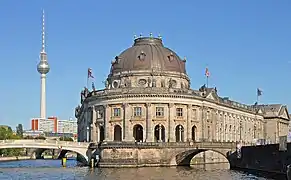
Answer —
43 96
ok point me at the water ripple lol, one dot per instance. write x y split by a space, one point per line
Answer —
52 170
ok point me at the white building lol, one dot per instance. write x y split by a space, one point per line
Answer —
67 126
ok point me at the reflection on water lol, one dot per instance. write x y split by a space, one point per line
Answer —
211 166
51 170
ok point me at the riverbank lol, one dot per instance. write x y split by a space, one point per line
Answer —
14 158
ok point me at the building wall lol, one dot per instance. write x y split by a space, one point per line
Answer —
210 121
275 128
52 124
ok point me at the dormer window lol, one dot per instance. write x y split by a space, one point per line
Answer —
142 56
171 57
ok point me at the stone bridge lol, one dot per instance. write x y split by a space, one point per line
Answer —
158 154
80 148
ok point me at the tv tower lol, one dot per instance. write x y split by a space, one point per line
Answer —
43 68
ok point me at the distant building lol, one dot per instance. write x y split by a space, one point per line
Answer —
54 125
33 133
67 126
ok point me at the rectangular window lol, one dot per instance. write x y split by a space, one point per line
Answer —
179 112
136 111
159 111
116 112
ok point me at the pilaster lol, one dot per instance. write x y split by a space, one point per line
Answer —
126 130
94 128
188 124
149 128
171 128
107 133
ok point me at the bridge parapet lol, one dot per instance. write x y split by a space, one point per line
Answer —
47 142
221 145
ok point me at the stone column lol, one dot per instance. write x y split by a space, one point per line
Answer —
202 109
171 128
94 129
160 133
126 131
188 131
97 132
107 134
149 128
217 125
180 133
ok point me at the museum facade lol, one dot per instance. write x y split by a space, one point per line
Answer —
147 98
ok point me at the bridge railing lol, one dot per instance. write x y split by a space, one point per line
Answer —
228 145
38 141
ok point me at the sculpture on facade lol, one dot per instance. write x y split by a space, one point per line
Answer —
202 88
82 96
163 83
77 110
154 84
170 83
149 82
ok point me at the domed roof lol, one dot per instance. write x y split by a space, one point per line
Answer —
148 53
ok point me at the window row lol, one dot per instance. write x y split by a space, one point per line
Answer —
137 112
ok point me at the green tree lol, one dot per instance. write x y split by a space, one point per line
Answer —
40 137
65 138
19 130
7 133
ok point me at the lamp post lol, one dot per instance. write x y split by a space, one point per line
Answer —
87 133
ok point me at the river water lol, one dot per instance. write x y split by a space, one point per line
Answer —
52 170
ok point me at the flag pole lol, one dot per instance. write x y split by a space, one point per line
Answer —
87 82
207 81
87 78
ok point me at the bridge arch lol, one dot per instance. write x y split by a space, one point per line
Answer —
81 149
184 158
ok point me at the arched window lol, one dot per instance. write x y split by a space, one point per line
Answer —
179 132
159 133
138 133
117 133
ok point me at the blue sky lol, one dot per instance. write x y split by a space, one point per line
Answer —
245 43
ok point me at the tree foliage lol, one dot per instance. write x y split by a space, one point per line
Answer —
7 133
40 137
19 130
65 138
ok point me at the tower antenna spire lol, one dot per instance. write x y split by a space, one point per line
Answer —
43 68
43 33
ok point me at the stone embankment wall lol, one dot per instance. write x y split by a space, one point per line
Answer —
15 158
262 159
139 157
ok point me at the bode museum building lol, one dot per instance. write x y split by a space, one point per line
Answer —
147 98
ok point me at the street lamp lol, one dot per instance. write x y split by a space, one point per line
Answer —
87 133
